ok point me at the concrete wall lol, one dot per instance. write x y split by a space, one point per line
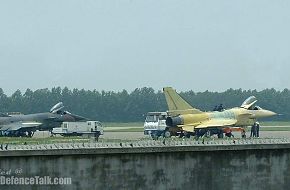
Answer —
237 167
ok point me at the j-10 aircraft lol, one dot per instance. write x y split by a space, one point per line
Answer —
26 125
192 121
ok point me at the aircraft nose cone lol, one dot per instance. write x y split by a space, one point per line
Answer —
268 113
272 113
264 113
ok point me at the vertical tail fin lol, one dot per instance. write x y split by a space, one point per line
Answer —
176 103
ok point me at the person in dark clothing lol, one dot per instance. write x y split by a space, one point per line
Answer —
215 108
257 129
252 130
220 107
243 133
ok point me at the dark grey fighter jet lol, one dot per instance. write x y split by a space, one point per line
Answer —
26 125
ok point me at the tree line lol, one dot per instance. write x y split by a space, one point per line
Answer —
122 106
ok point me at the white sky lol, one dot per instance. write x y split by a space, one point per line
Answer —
125 44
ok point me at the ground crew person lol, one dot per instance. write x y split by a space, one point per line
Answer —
243 133
253 130
220 108
257 129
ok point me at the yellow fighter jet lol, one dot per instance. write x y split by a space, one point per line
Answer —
192 121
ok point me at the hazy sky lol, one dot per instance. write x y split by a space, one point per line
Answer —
124 44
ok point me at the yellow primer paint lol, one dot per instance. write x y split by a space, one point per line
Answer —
192 118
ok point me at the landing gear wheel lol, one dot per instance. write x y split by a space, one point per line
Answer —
220 134
207 133
181 135
186 134
196 134
30 134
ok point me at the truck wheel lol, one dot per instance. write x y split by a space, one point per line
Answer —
154 136
167 134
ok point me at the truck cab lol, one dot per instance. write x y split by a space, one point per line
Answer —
155 123
96 126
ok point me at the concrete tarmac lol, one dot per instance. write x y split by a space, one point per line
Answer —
139 135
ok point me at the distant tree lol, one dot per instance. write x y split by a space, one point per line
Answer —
126 107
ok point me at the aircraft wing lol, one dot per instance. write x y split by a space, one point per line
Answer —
209 124
189 128
18 125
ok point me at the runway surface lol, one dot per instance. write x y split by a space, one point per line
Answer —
140 135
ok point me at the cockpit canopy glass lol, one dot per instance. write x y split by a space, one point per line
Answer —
255 108
249 101
56 107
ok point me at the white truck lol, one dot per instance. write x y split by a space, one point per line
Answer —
88 128
155 124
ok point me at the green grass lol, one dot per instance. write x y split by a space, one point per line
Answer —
133 129
275 128
124 127
275 123
131 124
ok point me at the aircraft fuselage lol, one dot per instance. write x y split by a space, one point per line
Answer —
243 117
